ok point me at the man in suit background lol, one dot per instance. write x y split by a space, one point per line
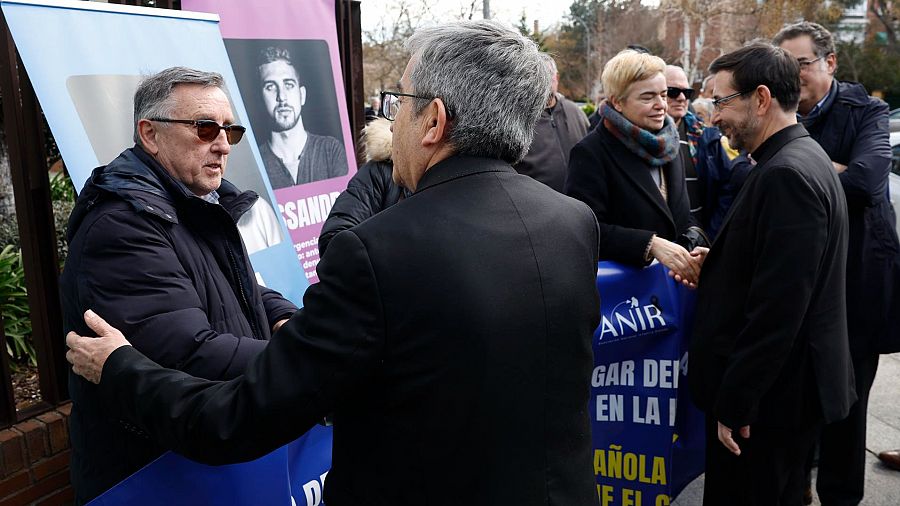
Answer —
560 126
852 128
769 359
449 334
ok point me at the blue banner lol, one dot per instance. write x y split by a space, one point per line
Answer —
648 436
293 474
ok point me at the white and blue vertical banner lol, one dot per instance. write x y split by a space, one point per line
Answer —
85 60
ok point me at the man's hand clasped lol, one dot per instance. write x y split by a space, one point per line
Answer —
88 354
683 265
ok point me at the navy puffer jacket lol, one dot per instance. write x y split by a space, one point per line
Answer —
170 271
852 128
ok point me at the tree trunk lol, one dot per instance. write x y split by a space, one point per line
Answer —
882 11
686 44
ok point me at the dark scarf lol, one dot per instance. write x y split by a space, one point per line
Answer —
656 149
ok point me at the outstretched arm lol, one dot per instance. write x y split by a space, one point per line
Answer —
326 351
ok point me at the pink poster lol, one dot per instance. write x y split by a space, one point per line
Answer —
285 57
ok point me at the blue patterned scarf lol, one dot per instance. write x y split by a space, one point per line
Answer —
656 149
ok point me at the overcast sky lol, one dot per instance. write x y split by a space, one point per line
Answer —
547 12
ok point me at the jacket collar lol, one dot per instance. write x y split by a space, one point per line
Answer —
774 143
851 93
638 172
458 166
137 178
842 92
378 140
761 156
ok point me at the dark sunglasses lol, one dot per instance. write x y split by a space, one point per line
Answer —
673 92
208 130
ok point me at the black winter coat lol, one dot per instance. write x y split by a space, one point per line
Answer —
170 271
449 335
769 345
370 191
853 130
617 185
372 188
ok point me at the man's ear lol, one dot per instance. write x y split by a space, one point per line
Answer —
148 133
764 96
436 123
831 63
303 95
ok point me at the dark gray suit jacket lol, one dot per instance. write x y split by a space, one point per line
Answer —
449 335
557 130
770 340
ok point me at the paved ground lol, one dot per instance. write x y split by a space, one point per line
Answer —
882 484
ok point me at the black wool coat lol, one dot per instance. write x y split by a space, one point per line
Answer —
618 187
450 335
770 339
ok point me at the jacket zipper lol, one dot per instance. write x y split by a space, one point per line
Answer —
245 304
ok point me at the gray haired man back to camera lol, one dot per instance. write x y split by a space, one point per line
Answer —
449 334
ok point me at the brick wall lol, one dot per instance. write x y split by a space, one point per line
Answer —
34 460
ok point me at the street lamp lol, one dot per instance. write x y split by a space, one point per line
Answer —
587 53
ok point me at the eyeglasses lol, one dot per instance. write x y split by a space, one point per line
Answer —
673 92
208 130
719 102
390 104
804 64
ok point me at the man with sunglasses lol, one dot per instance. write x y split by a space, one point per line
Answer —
153 244
852 128
707 166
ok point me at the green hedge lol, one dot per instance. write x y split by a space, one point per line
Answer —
14 303
13 295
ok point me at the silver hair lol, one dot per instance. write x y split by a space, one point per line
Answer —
492 80
152 99
551 64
